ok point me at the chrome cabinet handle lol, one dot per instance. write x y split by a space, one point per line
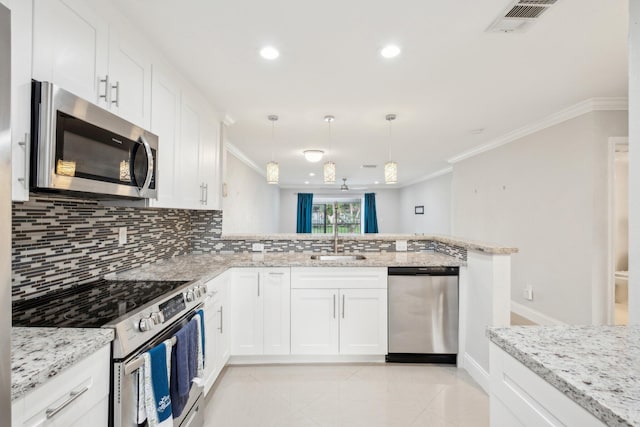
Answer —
220 311
25 145
276 273
117 88
105 95
52 412
206 194
343 306
258 285
147 149
334 306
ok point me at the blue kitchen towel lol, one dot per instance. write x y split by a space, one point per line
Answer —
201 313
183 366
160 381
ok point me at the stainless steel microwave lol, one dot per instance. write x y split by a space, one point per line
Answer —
79 147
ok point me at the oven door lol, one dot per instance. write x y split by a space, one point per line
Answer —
124 394
81 147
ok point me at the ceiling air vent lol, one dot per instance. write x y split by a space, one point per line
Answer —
520 15
369 166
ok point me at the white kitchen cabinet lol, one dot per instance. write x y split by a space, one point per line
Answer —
129 79
84 386
21 40
363 321
260 301
314 321
339 311
216 311
70 48
521 398
210 165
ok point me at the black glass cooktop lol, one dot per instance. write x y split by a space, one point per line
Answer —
90 305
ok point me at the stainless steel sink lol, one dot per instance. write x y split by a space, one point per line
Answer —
338 257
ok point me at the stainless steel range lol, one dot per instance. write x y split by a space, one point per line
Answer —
142 313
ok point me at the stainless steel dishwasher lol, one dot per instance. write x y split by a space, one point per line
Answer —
423 314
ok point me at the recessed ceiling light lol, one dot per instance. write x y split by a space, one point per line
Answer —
306 182
376 182
312 174
390 51
269 52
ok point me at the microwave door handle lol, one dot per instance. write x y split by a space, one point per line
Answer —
147 181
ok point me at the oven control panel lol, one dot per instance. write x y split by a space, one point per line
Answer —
172 307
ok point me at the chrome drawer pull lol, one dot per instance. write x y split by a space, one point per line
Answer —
72 396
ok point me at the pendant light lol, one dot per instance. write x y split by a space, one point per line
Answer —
273 170
329 167
391 167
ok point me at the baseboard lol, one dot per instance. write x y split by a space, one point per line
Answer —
302 359
534 315
476 371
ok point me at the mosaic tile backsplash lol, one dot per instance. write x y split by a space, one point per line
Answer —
61 241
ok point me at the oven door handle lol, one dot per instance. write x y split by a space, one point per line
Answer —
147 182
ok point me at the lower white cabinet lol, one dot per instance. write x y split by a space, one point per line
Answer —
339 311
216 316
260 320
78 396
521 398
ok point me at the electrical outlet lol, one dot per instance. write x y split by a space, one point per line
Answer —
528 293
401 245
257 247
122 236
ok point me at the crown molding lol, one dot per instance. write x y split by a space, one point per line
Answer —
239 154
584 107
429 177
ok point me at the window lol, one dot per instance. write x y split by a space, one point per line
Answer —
349 217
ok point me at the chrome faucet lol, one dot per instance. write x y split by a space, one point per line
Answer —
335 227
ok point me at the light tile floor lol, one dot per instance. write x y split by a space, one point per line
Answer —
375 395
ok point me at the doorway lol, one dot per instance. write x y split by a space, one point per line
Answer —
618 283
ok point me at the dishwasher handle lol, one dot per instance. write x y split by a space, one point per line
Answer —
423 271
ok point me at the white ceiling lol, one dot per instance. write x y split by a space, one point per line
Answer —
451 78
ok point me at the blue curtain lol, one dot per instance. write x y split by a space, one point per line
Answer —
305 205
370 215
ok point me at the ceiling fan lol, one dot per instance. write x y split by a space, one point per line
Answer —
344 187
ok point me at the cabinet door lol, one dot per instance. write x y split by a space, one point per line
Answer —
70 47
189 187
21 40
210 331
210 164
129 80
314 321
246 317
363 321
165 116
276 294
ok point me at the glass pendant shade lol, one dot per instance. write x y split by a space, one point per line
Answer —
391 172
313 156
273 173
329 173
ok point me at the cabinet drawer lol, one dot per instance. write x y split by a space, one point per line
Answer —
339 278
519 393
92 374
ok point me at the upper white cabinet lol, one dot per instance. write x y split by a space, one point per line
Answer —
70 48
339 311
21 40
129 79
260 322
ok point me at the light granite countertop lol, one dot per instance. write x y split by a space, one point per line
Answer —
596 366
207 266
38 354
468 244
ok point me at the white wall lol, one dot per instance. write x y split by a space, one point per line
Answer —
634 161
546 194
621 200
251 205
387 202
435 196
